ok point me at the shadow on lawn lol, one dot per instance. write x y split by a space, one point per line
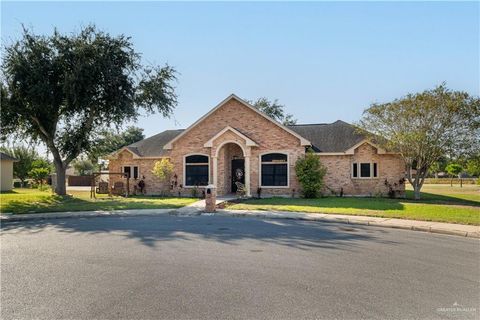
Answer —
43 203
152 231
53 203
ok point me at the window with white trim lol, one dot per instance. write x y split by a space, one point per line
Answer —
364 170
196 170
274 170
131 171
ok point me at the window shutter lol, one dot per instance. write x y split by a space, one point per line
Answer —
135 172
355 170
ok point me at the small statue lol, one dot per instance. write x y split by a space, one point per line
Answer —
141 185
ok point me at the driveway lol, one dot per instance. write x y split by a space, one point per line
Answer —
212 267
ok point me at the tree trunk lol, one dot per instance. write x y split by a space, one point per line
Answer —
416 192
418 182
60 186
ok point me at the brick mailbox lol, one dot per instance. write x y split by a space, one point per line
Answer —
210 198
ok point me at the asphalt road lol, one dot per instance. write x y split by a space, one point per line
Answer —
224 268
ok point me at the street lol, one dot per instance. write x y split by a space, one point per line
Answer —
209 267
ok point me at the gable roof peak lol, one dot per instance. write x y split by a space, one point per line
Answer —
303 141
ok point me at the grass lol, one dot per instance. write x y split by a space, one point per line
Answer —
469 194
439 203
20 201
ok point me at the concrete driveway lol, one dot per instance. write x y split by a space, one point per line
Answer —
221 267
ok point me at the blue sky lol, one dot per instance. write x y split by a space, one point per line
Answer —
325 61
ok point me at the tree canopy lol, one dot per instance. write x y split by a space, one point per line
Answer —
274 110
454 169
63 88
108 141
83 166
473 166
424 127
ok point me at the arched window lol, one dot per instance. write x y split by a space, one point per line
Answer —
274 170
196 170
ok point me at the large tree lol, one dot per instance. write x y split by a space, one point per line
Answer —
424 127
63 88
274 110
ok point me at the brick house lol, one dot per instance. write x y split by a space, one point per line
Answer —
235 142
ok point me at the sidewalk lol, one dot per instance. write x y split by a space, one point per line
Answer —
197 208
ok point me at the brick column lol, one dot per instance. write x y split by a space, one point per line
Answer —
247 175
215 171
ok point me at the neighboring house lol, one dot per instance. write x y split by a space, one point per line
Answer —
235 142
6 168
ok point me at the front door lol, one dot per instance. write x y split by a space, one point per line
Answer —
238 173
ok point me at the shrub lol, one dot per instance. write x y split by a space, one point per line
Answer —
39 175
163 169
194 192
310 172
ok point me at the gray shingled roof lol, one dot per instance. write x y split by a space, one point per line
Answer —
325 137
153 146
329 137
4 156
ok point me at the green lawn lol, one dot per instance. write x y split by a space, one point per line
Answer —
440 203
468 194
21 201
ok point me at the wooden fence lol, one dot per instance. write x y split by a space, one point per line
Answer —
79 181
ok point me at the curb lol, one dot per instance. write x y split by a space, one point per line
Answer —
363 221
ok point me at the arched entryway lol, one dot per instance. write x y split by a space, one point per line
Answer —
231 168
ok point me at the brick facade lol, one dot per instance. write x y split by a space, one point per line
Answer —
268 138
339 173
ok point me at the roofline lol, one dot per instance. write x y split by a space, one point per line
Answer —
303 141
310 124
318 124
249 142
7 157
114 155
351 150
